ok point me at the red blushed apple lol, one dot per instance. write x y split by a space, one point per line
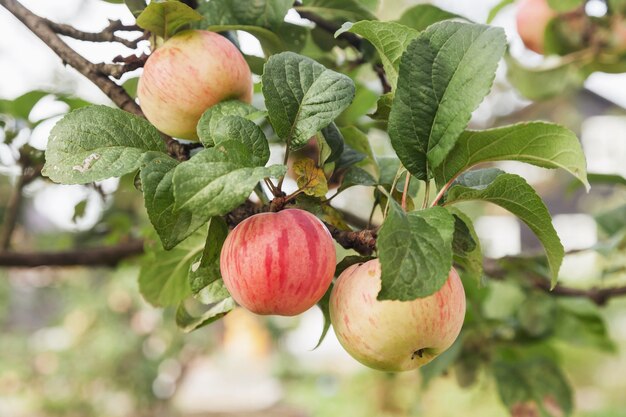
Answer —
278 263
189 73
394 335
532 18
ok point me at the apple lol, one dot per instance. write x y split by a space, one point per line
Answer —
278 263
190 72
394 335
532 19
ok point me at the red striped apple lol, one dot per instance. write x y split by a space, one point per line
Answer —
190 72
532 18
394 335
278 263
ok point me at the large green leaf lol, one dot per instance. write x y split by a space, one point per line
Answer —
216 180
390 40
156 180
543 144
210 118
98 142
336 10
415 252
302 96
423 15
163 277
512 193
444 75
166 18
264 13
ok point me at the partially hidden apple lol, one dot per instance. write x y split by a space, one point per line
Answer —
190 72
532 19
394 335
278 263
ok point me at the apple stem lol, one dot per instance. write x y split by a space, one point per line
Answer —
443 190
275 191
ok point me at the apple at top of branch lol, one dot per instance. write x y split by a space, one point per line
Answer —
189 73
394 335
532 19
278 263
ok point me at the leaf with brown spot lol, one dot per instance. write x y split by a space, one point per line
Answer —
310 178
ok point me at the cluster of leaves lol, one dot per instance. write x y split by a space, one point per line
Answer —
439 71
585 44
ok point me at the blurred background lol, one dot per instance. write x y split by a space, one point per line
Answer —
82 342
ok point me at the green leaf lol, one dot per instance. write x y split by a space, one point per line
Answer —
497 8
444 75
156 180
167 18
336 10
423 15
536 315
612 221
21 106
216 180
350 260
206 270
544 82
238 129
578 322
358 141
97 142
538 381
356 176
210 118
512 193
270 41
187 322
135 6
415 252
163 277
302 96
466 249
390 40
383 107
265 13
542 144
331 141
324 305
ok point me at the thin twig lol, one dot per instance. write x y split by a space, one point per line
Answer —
106 35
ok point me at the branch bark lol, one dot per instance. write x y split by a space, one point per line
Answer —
106 35
41 27
102 256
